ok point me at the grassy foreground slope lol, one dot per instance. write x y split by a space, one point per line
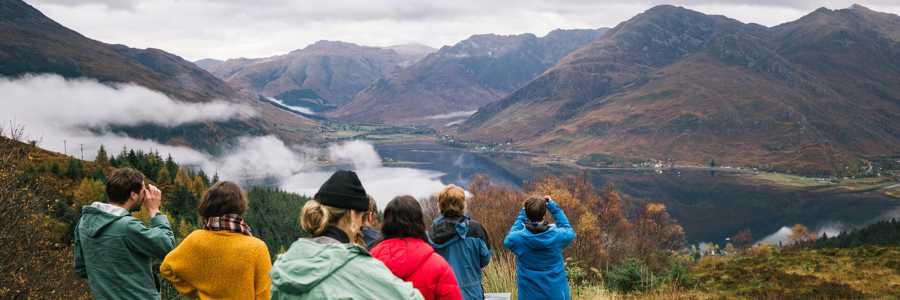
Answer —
869 272
40 192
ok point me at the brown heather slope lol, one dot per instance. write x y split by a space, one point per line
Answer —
462 77
329 71
37 260
30 42
811 96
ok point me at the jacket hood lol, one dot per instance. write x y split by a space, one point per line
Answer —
404 256
307 263
542 240
445 231
95 218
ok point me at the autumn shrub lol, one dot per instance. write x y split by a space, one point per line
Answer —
605 236
630 275
494 206
679 274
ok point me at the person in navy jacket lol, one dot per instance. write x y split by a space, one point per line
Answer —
538 247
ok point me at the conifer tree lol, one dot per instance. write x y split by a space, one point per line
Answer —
102 158
164 177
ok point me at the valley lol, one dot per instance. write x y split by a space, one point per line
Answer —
712 203
689 148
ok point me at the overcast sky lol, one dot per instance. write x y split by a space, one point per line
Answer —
222 29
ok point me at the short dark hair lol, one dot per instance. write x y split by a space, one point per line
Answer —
224 197
403 218
122 182
535 208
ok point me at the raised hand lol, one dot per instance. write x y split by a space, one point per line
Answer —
152 199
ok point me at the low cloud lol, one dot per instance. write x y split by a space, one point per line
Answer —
452 115
65 115
86 103
359 154
383 183
262 157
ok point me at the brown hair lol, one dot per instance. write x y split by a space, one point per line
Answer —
535 208
224 197
372 212
121 183
452 201
403 218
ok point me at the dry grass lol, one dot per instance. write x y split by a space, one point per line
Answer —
863 272
500 274
500 277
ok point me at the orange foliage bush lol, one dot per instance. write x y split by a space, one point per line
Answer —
605 235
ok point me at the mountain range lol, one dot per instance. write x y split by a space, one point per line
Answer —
326 73
461 77
818 95
32 43
814 96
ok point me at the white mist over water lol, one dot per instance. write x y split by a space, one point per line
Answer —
832 229
383 183
54 110
299 109
452 115
64 115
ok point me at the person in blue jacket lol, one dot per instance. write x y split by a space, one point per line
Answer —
461 241
538 247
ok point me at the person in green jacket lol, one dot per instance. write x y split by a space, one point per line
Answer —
333 264
114 250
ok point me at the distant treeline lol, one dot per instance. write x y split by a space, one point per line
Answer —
881 233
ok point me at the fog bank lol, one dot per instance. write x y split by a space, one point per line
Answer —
73 115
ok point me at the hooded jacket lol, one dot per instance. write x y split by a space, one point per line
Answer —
540 271
464 244
323 268
114 251
413 260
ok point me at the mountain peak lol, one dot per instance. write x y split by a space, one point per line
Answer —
666 8
327 44
856 18
858 7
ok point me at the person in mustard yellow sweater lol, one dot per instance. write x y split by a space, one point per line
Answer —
223 260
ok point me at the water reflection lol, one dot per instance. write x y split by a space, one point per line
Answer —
711 205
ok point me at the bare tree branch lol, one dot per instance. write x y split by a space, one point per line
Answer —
16 131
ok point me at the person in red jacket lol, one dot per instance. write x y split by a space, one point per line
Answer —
406 252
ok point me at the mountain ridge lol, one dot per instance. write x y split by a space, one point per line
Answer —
32 43
326 72
676 84
462 77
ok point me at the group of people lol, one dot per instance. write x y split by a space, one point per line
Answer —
347 256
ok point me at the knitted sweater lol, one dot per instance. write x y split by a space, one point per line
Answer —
219 265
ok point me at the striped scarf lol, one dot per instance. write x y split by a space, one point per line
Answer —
229 222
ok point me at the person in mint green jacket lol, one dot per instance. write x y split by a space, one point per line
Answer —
333 264
114 250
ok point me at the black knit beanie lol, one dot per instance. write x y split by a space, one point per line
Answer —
343 190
